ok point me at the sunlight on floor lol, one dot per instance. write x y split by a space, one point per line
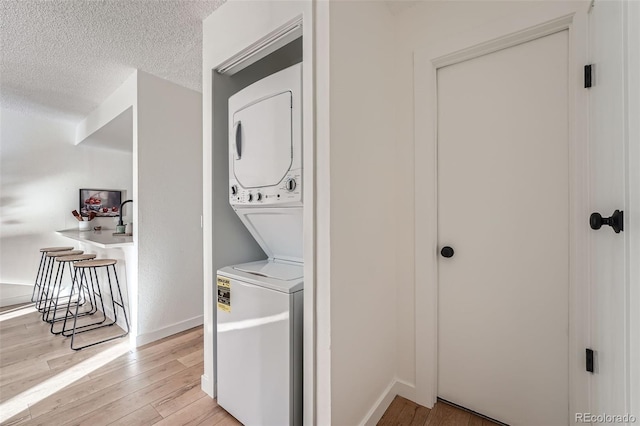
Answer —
52 385
17 312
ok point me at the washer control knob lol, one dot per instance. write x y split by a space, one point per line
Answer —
234 190
258 197
250 197
290 184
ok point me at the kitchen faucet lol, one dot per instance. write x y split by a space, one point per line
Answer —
120 217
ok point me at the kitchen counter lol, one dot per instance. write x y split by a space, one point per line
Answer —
103 239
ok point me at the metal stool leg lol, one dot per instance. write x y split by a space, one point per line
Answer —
42 270
44 285
83 285
48 294
53 308
114 304
121 304
45 291
36 284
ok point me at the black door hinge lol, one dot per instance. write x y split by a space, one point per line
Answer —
589 358
588 70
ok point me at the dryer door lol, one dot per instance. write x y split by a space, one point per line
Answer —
261 141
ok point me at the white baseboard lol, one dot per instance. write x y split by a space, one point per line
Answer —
396 387
144 338
15 294
207 386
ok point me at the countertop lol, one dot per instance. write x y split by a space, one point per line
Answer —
104 238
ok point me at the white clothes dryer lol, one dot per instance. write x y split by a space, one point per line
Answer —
265 142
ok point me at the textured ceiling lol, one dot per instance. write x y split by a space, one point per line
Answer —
62 58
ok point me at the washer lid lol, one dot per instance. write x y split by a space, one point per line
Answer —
277 270
278 230
255 273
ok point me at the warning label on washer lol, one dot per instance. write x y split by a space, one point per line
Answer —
224 294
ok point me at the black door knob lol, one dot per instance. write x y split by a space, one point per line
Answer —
447 251
616 221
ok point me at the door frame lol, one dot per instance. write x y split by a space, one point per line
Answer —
499 35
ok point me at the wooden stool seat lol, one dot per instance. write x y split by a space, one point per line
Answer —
49 249
95 263
64 253
76 257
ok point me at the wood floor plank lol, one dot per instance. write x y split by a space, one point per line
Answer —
202 410
193 358
475 420
215 419
30 371
16 337
16 388
183 344
121 392
141 386
447 415
390 417
11 308
20 316
19 371
135 400
228 421
82 399
179 399
144 416
70 358
421 416
19 419
408 413
18 329
50 347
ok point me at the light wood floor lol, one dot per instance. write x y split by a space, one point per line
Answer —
44 382
403 412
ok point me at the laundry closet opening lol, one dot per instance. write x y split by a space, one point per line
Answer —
258 206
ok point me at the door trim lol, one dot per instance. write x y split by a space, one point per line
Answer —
500 35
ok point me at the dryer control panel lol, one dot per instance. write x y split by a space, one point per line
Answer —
286 193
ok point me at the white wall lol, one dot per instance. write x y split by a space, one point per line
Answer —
416 28
364 225
41 171
168 198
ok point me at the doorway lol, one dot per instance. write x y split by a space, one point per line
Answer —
518 174
503 232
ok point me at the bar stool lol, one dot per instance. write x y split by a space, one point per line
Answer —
92 266
66 261
46 284
37 285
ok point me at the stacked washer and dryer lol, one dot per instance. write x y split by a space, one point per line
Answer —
259 315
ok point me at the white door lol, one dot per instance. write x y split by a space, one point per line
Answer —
610 315
503 207
261 141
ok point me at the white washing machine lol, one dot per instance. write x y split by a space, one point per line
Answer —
260 342
259 309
